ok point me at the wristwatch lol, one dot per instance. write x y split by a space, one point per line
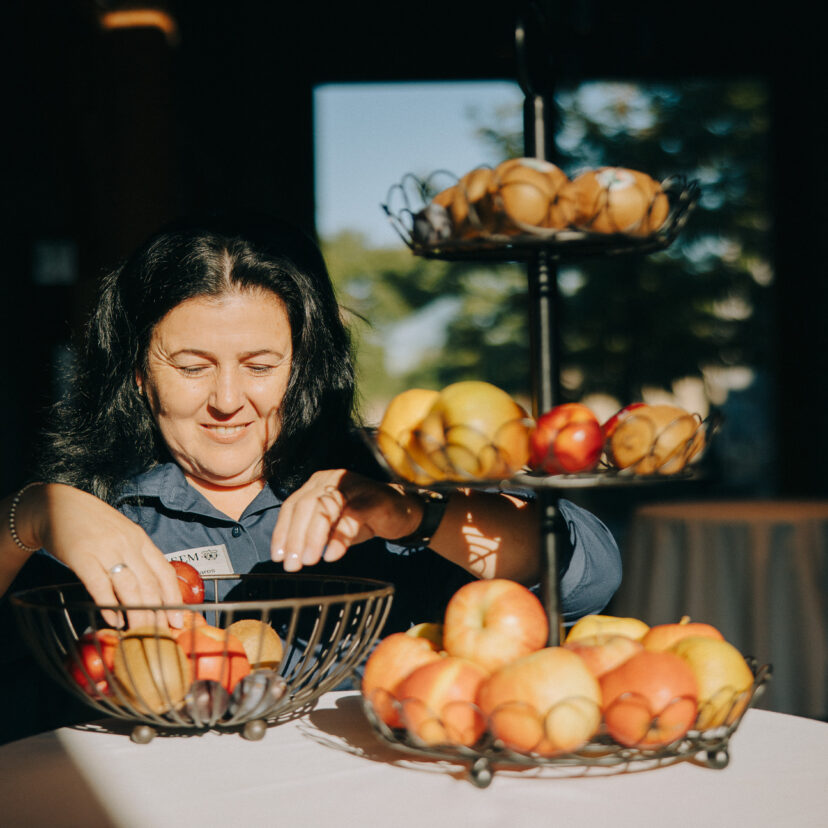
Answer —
434 507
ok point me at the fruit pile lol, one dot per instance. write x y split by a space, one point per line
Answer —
202 668
532 196
468 430
641 438
487 672
475 430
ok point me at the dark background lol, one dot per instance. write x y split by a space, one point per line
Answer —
109 134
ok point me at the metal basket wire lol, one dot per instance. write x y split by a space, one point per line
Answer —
706 747
326 625
432 465
427 231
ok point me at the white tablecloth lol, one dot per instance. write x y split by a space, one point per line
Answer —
757 570
327 768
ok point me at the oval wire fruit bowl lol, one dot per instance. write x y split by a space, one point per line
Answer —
326 625
447 464
708 747
427 231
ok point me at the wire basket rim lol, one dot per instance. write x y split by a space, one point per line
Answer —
374 588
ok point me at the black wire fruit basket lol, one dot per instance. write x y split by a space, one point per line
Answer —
705 746
309 633
415 458
427 230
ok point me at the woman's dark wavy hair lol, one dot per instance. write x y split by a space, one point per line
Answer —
104 432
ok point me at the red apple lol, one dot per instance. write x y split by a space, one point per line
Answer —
94 662
566 439
214 654
391 661
438 702
602 653
547 702
610 425
649 700
190 582
494 622
664 636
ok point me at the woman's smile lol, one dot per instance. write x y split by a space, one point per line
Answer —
226 433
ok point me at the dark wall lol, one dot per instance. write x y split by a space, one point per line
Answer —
109 134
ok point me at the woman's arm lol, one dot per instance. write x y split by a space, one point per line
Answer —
91 538
488 534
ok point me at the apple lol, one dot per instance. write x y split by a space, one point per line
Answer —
492 622
438 702
546 702
215 654
723 677
566 439
189 618
92 663
261 643
475 430
602 653
151 669
664 636
649 700
596 624
190 582
391 661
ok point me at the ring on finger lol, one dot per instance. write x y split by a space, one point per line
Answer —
119 567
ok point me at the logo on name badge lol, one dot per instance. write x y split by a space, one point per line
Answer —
208 560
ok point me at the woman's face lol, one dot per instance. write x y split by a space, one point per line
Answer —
218 368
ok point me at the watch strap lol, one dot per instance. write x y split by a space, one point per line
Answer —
434 507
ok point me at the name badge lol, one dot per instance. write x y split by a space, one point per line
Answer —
208 560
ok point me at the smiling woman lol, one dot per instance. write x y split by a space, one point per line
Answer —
213 409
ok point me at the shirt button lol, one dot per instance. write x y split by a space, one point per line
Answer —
236 531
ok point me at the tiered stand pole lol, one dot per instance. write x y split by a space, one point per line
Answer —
544 348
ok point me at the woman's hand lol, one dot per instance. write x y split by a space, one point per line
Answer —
336 509
92 539
489 534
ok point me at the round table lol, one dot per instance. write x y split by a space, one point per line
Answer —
755 569
328 768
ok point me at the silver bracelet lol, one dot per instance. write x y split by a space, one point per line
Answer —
12 512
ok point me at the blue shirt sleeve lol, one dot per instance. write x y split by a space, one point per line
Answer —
594 571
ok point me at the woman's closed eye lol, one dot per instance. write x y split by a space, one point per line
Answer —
192 370
261 370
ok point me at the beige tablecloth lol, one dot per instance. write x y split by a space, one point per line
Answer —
757 570
328 769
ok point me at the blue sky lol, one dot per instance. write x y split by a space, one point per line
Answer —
368 136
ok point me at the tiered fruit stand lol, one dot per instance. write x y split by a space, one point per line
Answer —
407 207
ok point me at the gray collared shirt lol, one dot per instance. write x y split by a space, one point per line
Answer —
178 518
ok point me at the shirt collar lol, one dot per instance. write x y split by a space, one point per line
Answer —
167 483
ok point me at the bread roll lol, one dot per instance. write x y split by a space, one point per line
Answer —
468 203
526 192
654 439
617 200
